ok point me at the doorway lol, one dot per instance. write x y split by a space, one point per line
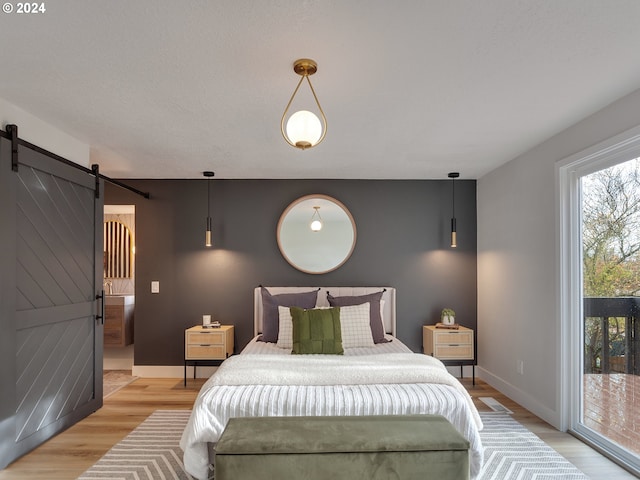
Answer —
119 286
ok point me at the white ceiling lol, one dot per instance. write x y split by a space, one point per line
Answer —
411 89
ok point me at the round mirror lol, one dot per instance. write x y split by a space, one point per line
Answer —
316 234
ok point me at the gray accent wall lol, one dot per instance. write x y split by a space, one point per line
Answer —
402 241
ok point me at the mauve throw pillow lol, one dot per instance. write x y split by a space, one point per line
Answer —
270 303
375 321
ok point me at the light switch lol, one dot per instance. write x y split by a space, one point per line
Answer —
155 286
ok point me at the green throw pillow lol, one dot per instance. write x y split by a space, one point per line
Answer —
316 331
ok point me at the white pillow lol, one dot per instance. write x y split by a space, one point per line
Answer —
355 326
285 325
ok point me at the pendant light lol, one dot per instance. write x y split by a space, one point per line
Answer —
207 238
454 233
316 220
303 129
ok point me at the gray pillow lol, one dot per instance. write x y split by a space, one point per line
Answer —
270 303
375 321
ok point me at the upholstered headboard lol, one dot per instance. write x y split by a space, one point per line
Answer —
388 310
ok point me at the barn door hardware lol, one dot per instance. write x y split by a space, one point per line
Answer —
12 130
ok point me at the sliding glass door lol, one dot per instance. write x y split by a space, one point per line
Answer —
611 285
606 340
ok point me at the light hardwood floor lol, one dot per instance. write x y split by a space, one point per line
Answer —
69 454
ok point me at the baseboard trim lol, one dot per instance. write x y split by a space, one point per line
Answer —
521 397
171 371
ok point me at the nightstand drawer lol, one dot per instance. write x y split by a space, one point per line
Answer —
448 344
206 351
457 352
208 338
208 343
458 337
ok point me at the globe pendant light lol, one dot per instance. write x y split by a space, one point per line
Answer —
316 220
303 129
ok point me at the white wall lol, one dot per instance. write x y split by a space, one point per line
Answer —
518 290
44 135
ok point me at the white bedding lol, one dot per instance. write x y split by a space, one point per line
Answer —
250 385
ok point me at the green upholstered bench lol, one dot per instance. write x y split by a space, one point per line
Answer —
368 447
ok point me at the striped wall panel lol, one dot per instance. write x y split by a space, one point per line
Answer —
118 251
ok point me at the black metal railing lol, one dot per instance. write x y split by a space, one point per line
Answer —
611 334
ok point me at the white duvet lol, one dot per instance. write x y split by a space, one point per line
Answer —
292 385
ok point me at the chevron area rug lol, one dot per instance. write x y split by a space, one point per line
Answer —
151 451
511 451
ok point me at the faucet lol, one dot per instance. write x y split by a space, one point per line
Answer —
109 284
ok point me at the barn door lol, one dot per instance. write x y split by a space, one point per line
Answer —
55 241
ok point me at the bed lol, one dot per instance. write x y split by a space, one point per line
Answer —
383 378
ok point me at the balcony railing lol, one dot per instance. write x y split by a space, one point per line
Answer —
612 339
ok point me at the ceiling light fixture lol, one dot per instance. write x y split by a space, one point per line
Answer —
316 220
454 233
207 239
303 128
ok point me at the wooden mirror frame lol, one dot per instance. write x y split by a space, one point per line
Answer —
307 202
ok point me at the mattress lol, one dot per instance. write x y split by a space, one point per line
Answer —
217 401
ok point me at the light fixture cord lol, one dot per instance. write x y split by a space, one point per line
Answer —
208 197
453 194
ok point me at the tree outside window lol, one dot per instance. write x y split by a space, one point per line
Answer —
611 252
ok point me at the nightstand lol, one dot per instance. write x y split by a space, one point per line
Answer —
451 346
206 345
